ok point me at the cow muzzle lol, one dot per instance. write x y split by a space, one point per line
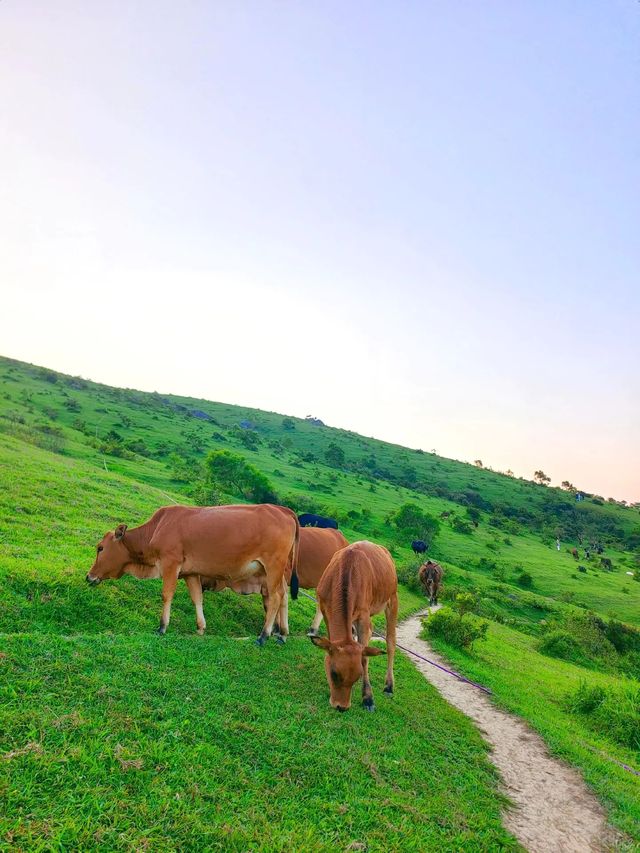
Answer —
92 581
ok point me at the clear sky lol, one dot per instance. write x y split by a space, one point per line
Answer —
416 220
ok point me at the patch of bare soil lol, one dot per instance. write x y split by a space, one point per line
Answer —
552 808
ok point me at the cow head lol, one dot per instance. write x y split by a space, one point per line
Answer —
111 558
343 664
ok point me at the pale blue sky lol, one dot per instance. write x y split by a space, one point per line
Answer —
416 220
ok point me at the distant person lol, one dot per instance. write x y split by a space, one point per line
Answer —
558 543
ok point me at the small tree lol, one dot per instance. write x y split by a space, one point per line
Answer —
509 472
567 486
478 463
289 424
231 473
411 521
541 478
334 455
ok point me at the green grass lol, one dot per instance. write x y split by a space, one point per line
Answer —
535 687
113 738
135 742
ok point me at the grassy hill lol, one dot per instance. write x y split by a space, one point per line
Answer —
249 753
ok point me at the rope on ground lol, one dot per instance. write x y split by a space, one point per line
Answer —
421 657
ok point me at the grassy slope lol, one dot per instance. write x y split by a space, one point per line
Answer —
533 686
54 507
113 737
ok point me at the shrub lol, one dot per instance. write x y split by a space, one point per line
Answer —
614 712
231 473
414 523
459 525
334 455
457 630
561 644
524 580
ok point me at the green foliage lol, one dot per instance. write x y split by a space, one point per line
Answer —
465 602
456 629
412 522
334 455
231 473
614 712
561 644
288 424
461 526
524 580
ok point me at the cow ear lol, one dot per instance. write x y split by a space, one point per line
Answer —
321 643
121 529
372 652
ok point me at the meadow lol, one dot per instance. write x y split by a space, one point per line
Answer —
113 737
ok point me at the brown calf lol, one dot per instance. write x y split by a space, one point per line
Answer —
317 547
359 582
224 543
430 575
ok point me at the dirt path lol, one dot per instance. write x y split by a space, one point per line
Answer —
553 809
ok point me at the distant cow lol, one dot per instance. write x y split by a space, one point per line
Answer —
317 547
359 582
309 519
430 575
575 554
606 564
418 546
255 543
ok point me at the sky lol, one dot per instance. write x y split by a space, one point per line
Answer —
415 220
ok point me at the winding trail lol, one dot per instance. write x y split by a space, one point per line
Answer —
553 811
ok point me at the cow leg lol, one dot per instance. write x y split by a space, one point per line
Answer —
273 608
169 584
314 630
281 626
194 586
265 606
363 630
391 615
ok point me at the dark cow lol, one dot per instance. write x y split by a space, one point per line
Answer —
575 554
359 582
309 519
418 546
430 575
224 543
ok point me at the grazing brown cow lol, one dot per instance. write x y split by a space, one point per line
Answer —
430 575
317 547
224 543
359 582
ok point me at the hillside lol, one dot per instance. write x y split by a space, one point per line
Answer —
77 457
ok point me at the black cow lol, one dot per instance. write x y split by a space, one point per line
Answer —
309 519
418 546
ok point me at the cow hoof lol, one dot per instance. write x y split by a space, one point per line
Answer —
200 632
280 638
370 707
313 633
367 703
388 690
161 631
261 641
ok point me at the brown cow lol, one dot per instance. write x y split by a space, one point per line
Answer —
359 582
226 543
430 575
317 547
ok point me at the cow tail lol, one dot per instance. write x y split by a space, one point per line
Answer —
293 556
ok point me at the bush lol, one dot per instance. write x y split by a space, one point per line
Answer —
457 630
459 525
524 580
561 644
614 712
230 472
414 523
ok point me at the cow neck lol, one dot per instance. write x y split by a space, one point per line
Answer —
137 541
341 615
